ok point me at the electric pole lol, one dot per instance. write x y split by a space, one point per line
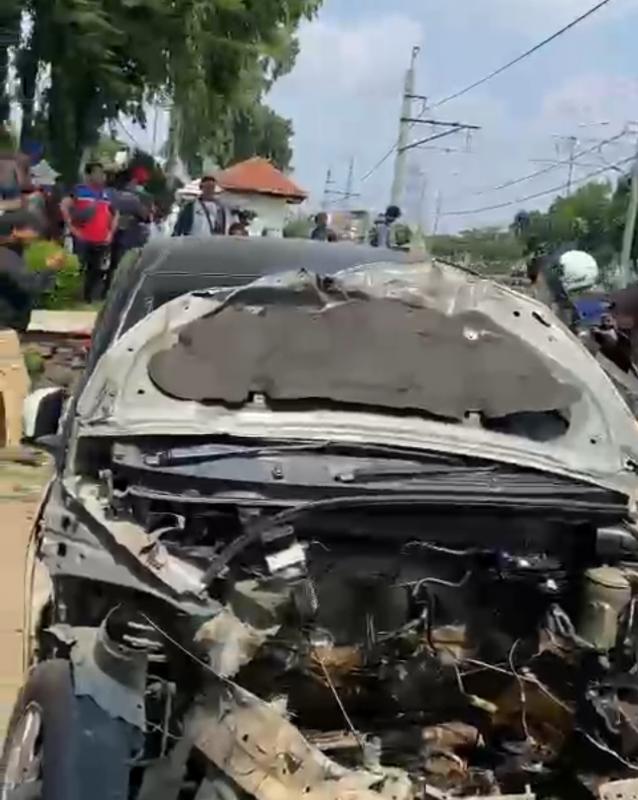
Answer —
572 142
327 189
630 226
404 126
438 212
407 122
349 184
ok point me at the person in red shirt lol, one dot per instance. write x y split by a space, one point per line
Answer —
92 219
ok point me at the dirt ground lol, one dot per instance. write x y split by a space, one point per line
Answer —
20 488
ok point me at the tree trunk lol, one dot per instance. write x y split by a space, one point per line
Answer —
28 64
65 149
9 37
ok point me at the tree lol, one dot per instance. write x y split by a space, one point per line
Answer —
228 54
9 38
100 62
259 131
212 59
491 246
591 219
299 228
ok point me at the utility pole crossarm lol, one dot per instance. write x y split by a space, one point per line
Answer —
436 136
440 123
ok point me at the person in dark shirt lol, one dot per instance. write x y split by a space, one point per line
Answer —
205 216
322 232
20 288
383 233
133 205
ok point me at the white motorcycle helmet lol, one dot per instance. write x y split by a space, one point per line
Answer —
579 271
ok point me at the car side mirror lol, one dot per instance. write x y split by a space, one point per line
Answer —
41 414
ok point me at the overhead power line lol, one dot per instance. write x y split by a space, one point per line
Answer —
554 190
522 56
555 165
475 84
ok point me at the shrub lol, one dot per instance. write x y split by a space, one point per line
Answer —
67 291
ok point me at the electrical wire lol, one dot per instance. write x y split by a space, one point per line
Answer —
545 170
490 76
499 71
359 739
554 190
521 690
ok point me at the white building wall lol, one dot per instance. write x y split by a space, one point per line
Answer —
272 212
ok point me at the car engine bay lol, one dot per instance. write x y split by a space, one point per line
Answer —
353 650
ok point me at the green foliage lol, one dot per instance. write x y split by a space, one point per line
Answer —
106 149
299 228
495 249
34 362
227 55
212 59
67 291
259 131
592 219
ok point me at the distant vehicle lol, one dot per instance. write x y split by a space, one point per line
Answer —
351 226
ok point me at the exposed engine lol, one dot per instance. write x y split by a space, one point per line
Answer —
463 655
477 671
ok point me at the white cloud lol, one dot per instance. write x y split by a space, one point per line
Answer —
366 59
538 17
591 98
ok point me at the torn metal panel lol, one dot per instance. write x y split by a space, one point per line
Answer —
619 790
269 758
173 572
163 780
112 675
217 786
599 414
73 543
435 794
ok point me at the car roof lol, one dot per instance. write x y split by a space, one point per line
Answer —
253 257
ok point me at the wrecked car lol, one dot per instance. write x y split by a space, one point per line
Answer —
355 536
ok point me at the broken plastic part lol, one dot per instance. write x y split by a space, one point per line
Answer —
269 757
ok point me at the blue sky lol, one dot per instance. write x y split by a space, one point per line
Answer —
343 95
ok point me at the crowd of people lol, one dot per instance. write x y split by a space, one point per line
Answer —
105 216
384 232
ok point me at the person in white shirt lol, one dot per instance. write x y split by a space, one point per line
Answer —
205 216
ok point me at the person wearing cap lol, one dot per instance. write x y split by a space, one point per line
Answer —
205 216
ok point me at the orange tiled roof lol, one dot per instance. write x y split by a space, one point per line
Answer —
259 175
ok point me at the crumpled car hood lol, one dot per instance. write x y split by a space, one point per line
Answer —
510 355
